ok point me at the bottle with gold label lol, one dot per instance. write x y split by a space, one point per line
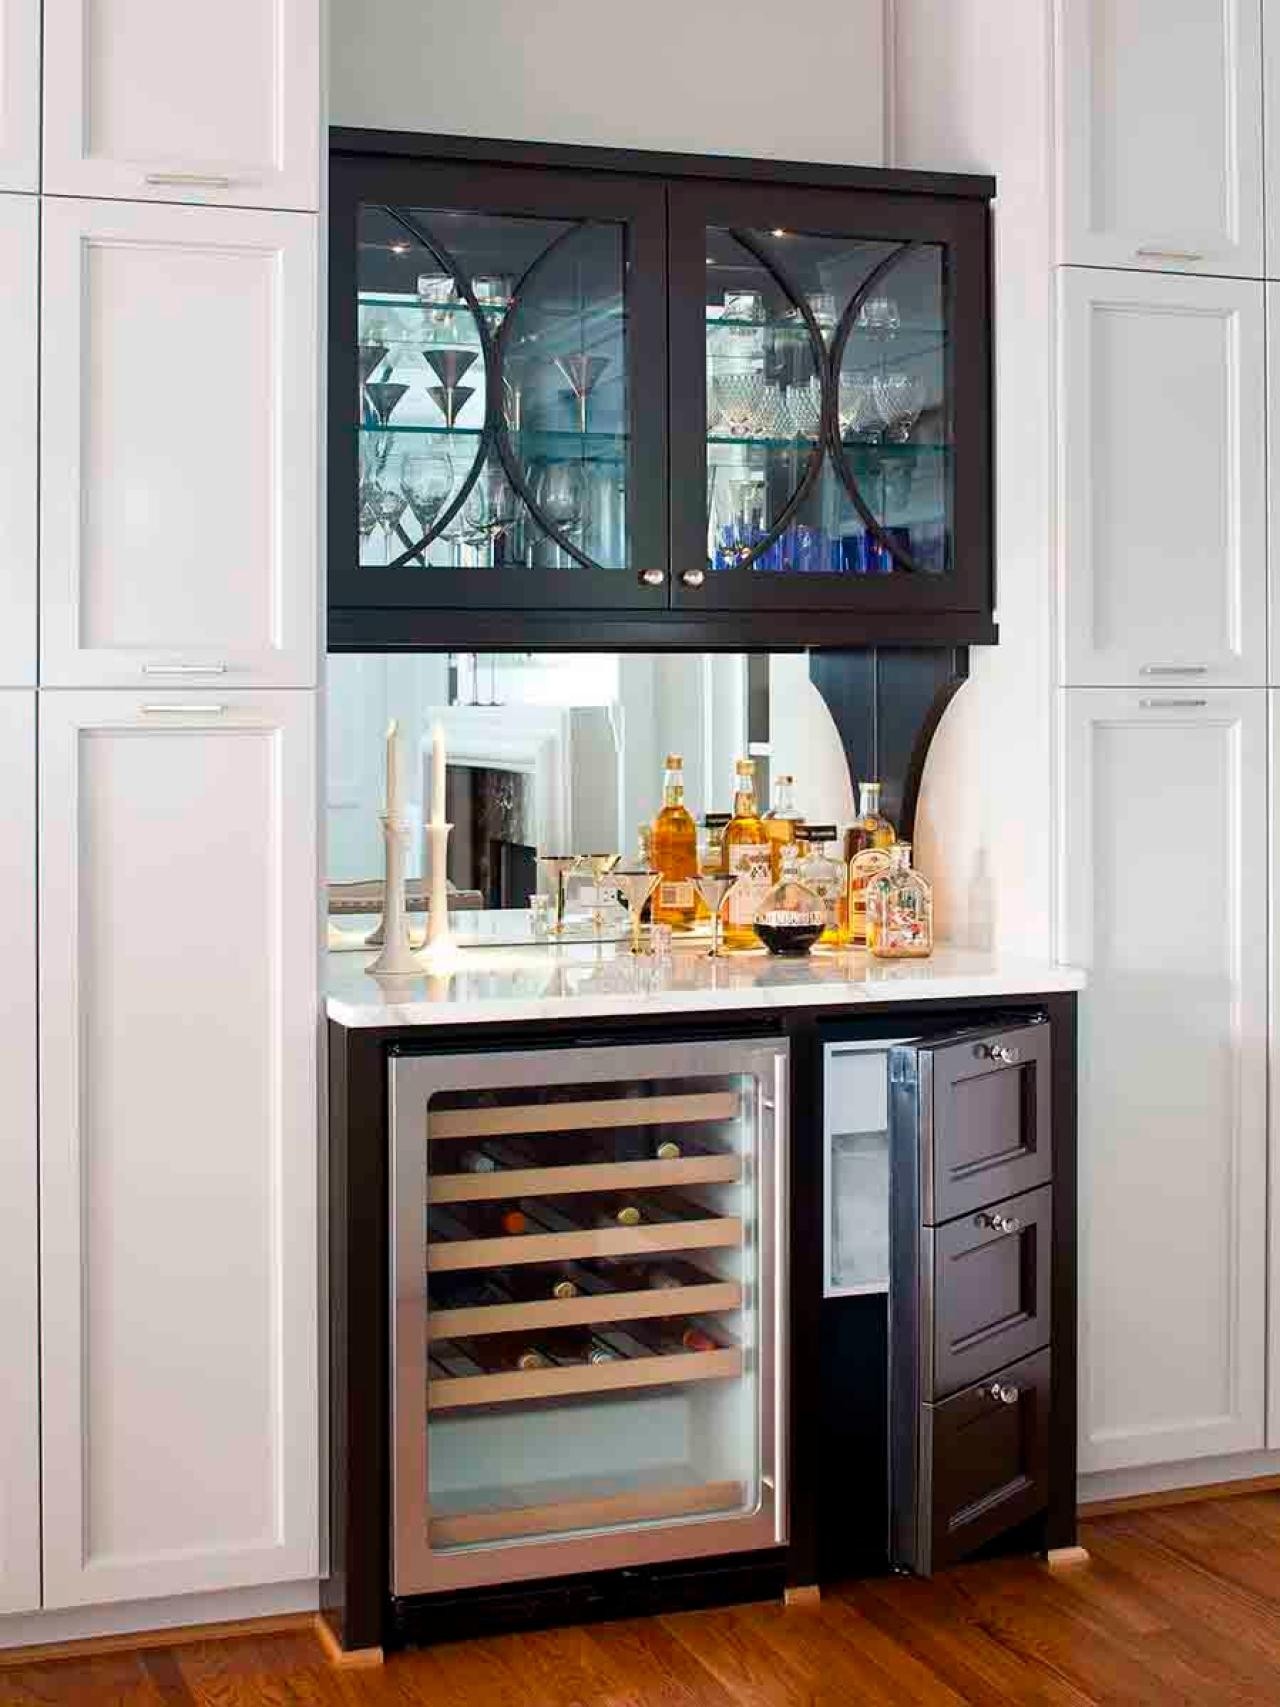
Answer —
781 822
870 863
746 857
673 842
870 829
900 910
825 874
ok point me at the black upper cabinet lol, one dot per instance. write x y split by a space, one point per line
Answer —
588 398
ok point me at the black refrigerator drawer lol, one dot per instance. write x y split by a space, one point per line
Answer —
967 1469
976 1110
988 1274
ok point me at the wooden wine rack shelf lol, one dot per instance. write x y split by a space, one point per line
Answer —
595 1116
589 1176
513 1385
716 1295
640 1505
716 1232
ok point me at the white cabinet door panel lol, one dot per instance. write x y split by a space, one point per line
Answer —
1160 134
19 269
19 94
148 100
19 1350
178 1147
1164 875
179 449
1162 547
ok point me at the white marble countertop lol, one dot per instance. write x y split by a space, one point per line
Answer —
544 981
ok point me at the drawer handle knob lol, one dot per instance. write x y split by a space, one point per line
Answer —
999 1052
652 577
1000 1223
1004 1392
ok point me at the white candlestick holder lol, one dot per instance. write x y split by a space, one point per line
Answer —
396 958
440 948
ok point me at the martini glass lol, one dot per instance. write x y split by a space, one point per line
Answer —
637 884
383 395
714 887
449 365
584 374
600 865
558 866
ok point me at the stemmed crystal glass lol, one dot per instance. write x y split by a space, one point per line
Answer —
714 887
389 506
490 509
859 412
426 480
637 884
600 866
805 408
899 399
560 492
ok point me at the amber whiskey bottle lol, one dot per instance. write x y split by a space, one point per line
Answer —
746 857
674 852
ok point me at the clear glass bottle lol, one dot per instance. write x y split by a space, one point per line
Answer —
781 822
673 842
868 864
792 915
870 829
747 857
900 910
821 870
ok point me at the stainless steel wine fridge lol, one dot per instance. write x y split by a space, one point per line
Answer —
588 1328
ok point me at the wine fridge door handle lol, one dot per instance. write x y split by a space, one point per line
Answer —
781 1266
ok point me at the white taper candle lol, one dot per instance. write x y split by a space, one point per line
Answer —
437 775
393 771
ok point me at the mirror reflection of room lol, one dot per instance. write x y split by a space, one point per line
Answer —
553 755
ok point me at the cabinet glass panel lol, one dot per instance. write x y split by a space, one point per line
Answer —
492 403
829 405
856 1168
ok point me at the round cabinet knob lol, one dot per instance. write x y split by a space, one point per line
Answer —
999 1052
999 1223
693 577
1004 1393
652 577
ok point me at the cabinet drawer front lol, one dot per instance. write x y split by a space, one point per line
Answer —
983 1116
984 1466
989 1273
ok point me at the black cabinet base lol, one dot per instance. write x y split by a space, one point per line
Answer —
681 1586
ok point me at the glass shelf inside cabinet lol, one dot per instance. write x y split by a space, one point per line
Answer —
829 434
494 423
591 1265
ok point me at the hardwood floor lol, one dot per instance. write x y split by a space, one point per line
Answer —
1180 1604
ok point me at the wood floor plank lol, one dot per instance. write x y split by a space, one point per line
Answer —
1178 1605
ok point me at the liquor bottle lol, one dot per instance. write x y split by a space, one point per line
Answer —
673 842
820 870
864 867
900 910
870 829
781 822
747 857
791 917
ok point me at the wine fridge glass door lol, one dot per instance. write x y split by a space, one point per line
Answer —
588 1311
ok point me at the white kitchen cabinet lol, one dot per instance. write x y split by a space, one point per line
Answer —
178 1142
1160 134
19 1355
19 268
1163 862
1162 435
179 465
19 94
147 100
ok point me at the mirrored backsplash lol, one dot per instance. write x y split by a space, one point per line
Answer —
561 753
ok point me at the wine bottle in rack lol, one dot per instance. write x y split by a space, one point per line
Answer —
578 1345
476 1162
533 1285
449 1359
666 1336
476 1221
467 1291
583 1213
613 1274
623 1343
497 1356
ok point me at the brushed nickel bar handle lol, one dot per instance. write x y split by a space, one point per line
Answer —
189 180
184 669
1149 252
183 710
1173 670
1171 704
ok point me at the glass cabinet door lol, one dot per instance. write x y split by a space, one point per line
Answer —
497 398
830 399
587 1313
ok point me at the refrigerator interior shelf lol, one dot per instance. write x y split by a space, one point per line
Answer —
516 1385
596 1115
646 1504
712 1169
719 1231
581 1312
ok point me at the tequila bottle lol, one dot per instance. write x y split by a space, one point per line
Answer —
746 857
900 910
820 870
674 845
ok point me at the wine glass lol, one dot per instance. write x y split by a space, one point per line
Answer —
426 480
389 506
560 493
637 884
899 399
859 412
714 888
490 509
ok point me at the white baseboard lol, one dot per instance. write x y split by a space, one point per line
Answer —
1164 1478
32 1629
